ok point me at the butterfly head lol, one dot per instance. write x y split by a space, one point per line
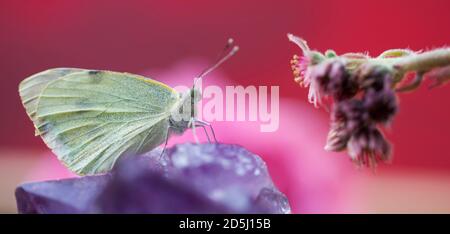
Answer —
189 102
182 116
187 110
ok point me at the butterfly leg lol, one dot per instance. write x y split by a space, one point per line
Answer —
204 129
204 123
193 125
165 142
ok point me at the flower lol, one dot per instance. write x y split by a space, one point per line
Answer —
329 77
382 105
325 75
305 76
299 66
363 90
338 137
301 69
379 97
353 127
354 120
335 80
347 117
352 112
373 76
367 146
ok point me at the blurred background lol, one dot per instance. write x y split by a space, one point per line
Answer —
172 41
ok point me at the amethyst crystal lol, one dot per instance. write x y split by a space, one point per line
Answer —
75 195
188 178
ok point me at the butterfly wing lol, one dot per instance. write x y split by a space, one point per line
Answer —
31 88
91 118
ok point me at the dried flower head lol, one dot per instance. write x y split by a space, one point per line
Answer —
341 85
338 137
346 118
364 92
381 105
352 112
367 146
373 76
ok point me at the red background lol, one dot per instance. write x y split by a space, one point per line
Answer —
136 35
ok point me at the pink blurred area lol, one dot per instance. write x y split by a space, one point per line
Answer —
172 41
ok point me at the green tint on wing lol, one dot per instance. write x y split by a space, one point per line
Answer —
91 118
31 88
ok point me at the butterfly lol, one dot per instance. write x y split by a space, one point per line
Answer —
90 118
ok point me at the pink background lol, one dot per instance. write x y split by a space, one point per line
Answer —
173 40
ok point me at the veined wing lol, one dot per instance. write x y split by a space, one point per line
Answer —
91 118
31 88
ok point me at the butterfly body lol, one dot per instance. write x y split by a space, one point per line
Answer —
90 118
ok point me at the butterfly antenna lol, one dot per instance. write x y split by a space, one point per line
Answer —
228 51
226 48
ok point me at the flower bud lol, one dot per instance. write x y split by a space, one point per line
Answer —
382 105
338 137
373 76
367 146
352 112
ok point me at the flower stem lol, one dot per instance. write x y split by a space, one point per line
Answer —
424 62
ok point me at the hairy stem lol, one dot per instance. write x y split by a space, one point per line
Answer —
425 61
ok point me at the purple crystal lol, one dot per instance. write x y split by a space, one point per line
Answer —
75 195
188 178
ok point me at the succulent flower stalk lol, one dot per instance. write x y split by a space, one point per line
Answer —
363 91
